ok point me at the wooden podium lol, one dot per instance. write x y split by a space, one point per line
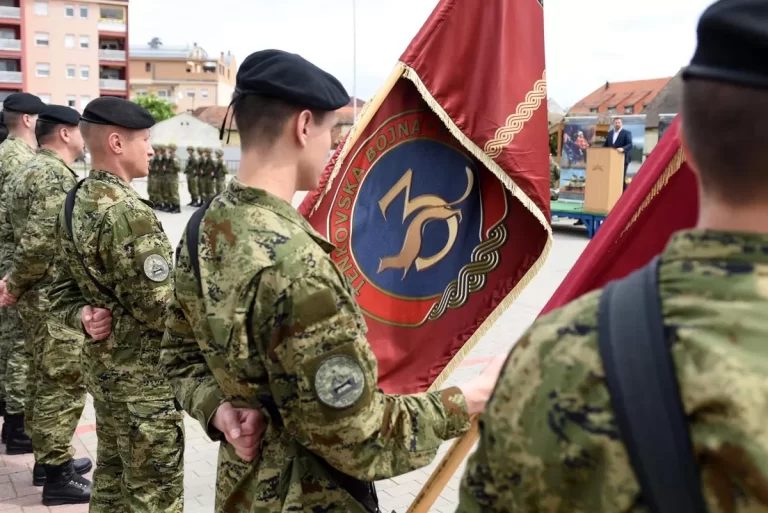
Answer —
604 179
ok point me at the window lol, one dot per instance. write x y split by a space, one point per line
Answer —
72 101
163 94
112 13
190 94
46 98
204 93
69 11
85 72
41 38
141 92
148 67
593 109
7 33
629 110
43 70
41 8
84 11
69 41
71 71
84 101
84 42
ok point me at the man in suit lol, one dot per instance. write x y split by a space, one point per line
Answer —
621 140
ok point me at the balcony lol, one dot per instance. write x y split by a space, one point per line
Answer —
112 84
108 55
10 45
10 77
13 13
112 26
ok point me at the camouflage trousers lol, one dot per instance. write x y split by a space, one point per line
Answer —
171 189
193 185
207 187
140 458
220 185
17 360
151 186
55 388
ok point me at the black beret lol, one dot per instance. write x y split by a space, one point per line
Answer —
109 110
291 78
732 35
24 102
59 115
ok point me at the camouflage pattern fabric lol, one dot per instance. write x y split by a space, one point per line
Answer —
171 183
193 178
140 458
14 155
548 437
55 391
152 179
554 179
267 272
207 185
220 175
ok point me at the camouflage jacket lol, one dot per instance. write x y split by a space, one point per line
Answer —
554 175
278 325
206 167
548 437
14 155
124 247
192 165
153 162
220 169
172 165
35 203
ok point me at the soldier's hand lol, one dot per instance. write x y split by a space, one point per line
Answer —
242 427
478 391
97 322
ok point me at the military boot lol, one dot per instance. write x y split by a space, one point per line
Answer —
174 209
82 467
4 433
18 442
64 486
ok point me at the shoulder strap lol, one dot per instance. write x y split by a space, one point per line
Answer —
193 241
645 393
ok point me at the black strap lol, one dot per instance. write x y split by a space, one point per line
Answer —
193 242
645 394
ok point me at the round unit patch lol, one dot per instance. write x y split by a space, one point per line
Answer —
156 268
339 382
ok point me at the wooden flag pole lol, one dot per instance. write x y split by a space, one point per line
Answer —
445 469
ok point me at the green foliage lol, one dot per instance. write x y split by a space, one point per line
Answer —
160 108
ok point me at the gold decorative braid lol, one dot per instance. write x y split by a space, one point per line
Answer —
515 122
673 167
472 277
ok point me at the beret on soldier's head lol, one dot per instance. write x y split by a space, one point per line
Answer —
190 148
160 147
291 78
25 103
732 35
220 152
112 111
59 115
172 146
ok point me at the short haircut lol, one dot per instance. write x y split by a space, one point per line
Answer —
725 131
12 119
46 132
95 135
261 119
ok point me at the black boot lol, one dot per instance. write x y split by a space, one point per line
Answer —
64 486
2 406
174 209
82 466
192 203
18 441
4 434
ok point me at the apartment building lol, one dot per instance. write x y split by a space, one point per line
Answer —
186 75
68 52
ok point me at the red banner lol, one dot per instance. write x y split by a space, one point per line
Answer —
662 199
438 201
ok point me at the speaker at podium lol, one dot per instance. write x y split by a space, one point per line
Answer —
604 179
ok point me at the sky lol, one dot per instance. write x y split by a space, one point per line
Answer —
588 42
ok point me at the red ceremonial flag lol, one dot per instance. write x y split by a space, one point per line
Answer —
662 199
438 200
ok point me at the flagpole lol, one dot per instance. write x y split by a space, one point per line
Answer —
354 62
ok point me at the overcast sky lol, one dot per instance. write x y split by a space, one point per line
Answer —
587 41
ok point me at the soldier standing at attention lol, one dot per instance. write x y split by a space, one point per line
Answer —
55 391
152 177
274 324
193 178
20 112
114 284
160 188
172 170
554 178
220 172
550 437
206 175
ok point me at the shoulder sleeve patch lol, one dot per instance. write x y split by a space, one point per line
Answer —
139 223
315 308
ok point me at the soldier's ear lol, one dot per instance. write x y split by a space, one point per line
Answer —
115 143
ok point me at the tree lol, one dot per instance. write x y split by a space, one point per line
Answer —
160 108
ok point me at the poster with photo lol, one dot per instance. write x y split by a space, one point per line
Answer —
572 182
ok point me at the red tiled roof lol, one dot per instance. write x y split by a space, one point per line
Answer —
214 116
618 95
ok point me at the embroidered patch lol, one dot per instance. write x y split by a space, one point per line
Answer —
339 382
156 268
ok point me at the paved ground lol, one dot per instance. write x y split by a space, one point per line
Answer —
18 495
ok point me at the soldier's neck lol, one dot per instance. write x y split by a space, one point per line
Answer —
747 218
26 136
277 177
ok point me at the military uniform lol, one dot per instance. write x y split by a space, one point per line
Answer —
123 246
207 170
554 179
220 172
193 177
172 170
157 177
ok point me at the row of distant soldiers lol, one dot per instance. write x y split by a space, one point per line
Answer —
206 177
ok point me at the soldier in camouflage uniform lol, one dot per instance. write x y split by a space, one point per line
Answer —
193 177
277 324
172 170
549 439
151 178
220 172
118 260
20 114
160 178
207 178
55 390
554 178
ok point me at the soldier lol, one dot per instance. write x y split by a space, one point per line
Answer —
55 391
20 114
114 283
200 173
554 178
152 177
549 437
276 322
207 171
220 171
193 178
160 179
172 170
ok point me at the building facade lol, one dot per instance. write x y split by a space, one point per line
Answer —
66 52
620 98
185 75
